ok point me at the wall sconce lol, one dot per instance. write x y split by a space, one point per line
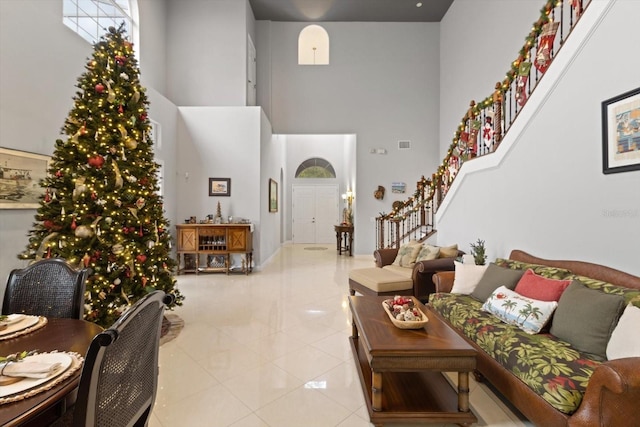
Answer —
347 213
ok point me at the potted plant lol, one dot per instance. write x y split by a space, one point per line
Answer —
478 251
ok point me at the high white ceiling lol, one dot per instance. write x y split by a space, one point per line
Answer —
350 10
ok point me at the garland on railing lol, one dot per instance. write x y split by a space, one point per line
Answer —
395 215
462 147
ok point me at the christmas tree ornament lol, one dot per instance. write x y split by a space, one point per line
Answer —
124 76
111 95
79 187
86 259
131 143
132 179
47 196
96 161
118 177
99 88
141 258
487 131
73 224
141 202
545 45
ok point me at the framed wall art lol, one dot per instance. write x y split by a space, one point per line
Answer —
273 196
621 133
219 186
20 175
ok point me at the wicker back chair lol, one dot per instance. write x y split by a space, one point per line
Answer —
48 287
120 375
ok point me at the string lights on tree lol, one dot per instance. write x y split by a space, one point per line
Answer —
101 208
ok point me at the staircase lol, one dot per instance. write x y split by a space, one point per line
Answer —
490 126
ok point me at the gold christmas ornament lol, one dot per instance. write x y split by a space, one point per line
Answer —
131 143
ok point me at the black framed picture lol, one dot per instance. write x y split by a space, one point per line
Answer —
621 133
219 186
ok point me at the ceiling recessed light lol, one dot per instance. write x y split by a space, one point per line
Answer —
419 4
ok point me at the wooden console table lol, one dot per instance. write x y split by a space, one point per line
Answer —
344 238
400 370
215 241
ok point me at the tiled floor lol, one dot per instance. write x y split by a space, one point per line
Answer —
271 349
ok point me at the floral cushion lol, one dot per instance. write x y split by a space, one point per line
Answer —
550 367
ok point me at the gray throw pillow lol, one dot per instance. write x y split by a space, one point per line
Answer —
494 277
585 318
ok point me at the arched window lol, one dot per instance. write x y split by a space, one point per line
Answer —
313 46
315 168
92 18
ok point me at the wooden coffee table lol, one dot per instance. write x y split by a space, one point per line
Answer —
401 369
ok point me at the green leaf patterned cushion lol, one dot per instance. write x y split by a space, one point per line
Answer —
542 270
549 366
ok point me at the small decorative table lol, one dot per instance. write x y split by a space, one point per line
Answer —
344 238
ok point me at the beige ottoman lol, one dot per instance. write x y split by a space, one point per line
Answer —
378 281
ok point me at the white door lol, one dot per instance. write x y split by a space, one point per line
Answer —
251 73
315 210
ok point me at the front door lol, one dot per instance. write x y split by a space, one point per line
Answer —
315 210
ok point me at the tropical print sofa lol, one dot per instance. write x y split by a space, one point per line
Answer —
547 378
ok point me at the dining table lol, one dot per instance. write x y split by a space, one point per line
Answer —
71 336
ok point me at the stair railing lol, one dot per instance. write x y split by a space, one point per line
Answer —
484 124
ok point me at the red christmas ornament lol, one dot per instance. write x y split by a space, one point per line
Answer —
140 232
143 116
144 281
96 161
47 223
120 109
47 196
59 174
99 88
93 195
120 60
73 224
141 258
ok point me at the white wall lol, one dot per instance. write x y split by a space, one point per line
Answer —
381 85
219 142
206 51
272 164
152 15
550 197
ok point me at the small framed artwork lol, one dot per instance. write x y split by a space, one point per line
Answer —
273 196
20 175
621 133
219 186
398 187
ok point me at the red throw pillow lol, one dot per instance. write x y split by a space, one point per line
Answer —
537 287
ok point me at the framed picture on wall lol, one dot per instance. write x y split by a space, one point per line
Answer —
621 133
20 175
219 186
273 196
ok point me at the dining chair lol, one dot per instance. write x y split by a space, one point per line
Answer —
50 287
120 375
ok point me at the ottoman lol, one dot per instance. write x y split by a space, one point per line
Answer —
378 281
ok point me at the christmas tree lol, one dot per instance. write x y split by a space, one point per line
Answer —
101 208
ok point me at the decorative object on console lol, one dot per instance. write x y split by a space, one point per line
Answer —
219 186
620 132
347 212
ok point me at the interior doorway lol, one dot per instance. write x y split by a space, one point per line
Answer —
315 210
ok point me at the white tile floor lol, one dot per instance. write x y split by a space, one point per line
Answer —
270 350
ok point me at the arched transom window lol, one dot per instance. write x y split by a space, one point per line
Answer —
313 46
315 168
92 18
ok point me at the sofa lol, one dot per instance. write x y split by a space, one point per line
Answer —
406 270
582 368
